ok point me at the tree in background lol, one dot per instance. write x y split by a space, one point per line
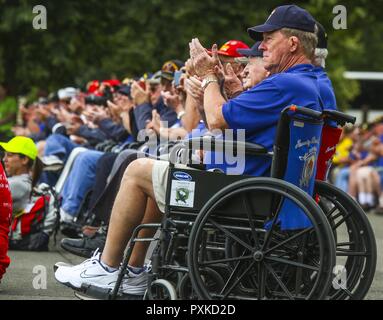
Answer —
92 39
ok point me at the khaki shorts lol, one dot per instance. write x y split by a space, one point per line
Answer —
160 180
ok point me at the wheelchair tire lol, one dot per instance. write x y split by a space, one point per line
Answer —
161 289
355 241
264 270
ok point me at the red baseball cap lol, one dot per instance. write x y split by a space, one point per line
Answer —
112 82
93 86
229 49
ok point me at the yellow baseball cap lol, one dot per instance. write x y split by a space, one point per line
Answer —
21 145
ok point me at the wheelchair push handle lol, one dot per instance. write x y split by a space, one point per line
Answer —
303 111
339 117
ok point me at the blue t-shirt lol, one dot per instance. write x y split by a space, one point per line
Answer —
326 92
326 89
199 131
258 110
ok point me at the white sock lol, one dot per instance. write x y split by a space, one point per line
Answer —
108 268
362 197
136 270
370 199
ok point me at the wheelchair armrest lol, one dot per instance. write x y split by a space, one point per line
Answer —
210 143
339 117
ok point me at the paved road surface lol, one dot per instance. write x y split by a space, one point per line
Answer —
23 279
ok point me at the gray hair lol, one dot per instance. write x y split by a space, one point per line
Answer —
320 57
308 40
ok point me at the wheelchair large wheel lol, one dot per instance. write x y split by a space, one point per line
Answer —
268 262
355 242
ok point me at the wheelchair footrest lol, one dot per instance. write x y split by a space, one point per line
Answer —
90 292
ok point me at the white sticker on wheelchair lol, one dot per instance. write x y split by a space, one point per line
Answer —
182 193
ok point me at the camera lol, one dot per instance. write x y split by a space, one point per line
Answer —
177 78
97 100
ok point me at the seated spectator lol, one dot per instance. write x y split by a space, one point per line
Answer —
254 71
20 157
364 180
342 160
20 154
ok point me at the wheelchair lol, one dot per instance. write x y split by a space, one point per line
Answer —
286 236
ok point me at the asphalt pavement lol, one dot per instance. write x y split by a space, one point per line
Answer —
31 277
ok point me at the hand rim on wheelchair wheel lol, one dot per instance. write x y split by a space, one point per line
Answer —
281 188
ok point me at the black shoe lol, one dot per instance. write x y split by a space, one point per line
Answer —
86 246
71 229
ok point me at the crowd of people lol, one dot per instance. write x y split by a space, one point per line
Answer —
357 165
117 181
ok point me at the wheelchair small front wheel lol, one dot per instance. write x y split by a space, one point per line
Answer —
161 289
211 277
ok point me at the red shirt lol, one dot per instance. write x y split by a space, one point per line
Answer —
5 220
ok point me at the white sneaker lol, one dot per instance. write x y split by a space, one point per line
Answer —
93 273
89 272
61 264
135 284
65 216
52 163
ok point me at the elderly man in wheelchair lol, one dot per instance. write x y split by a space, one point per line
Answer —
234 236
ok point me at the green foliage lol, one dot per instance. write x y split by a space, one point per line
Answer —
94 39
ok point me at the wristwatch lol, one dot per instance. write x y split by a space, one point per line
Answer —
208 80
180 115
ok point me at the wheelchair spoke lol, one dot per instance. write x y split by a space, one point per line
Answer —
261 281
278 279
292 263
233 273
237 281
333 218
331 212
231 235
273 224
246 202
351 253
303 232
212 262
336 226
344 244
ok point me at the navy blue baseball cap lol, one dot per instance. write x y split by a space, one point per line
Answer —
322 37
252 52
288 16
125 90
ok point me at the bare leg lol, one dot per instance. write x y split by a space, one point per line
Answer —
352 186
129 210
376 182
152 215
361 179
